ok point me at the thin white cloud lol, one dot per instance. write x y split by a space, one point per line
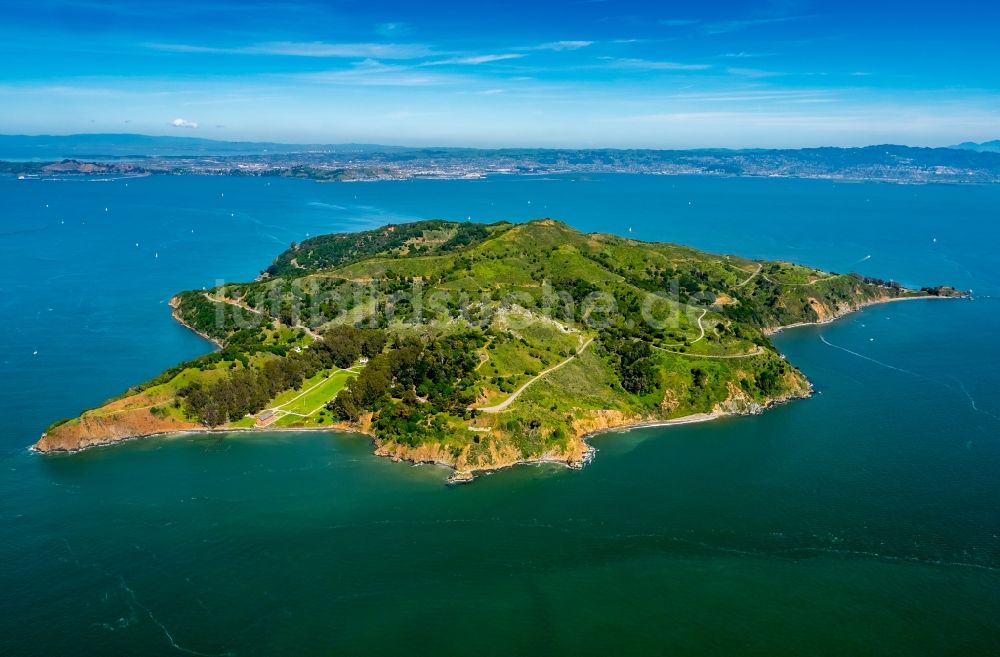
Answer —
746 55
391 29
322 49
188 48
183 123
679 22
475 60
654 65
754 96
725 27
752 72
373 73
307 49
561 45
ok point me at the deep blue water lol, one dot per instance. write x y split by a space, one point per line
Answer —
862 521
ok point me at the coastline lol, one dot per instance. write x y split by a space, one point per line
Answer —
333 428
867 304
175 313
466 476
589 451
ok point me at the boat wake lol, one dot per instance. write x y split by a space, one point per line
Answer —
961 387
973 402
166 632
877 362
133 604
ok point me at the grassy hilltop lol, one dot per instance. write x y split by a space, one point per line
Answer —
480 346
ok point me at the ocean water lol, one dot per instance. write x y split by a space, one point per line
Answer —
865 520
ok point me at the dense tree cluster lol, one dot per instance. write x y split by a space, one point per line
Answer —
758 303
938 290
871 280
627 341
327 251
247 390
632 360
769 377
346 344
415 380
206 317
576 289
466 234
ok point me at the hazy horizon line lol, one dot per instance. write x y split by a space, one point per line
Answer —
485 148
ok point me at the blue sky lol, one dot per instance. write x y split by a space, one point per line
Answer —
779 73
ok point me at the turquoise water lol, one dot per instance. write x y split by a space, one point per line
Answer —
862 521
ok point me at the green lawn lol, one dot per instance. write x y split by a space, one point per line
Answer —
289 395
308 400
320 395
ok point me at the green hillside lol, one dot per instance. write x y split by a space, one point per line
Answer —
481 346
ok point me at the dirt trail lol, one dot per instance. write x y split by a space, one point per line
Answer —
244 306
517 393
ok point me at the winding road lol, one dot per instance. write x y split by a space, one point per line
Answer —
700 328
756 351
517 393
752 276
242 304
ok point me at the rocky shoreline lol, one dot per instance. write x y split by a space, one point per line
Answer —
576 459
399 453
458 476
847 310
175 313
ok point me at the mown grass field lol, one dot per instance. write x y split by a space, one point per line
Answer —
309 402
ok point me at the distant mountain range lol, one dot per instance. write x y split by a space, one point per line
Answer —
127 145
984 147
39 147
128 154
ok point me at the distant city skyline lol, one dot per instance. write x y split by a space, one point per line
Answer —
587 73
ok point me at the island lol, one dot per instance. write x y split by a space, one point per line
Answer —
483 346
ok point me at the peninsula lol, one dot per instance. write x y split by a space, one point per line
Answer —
68 156
482 346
